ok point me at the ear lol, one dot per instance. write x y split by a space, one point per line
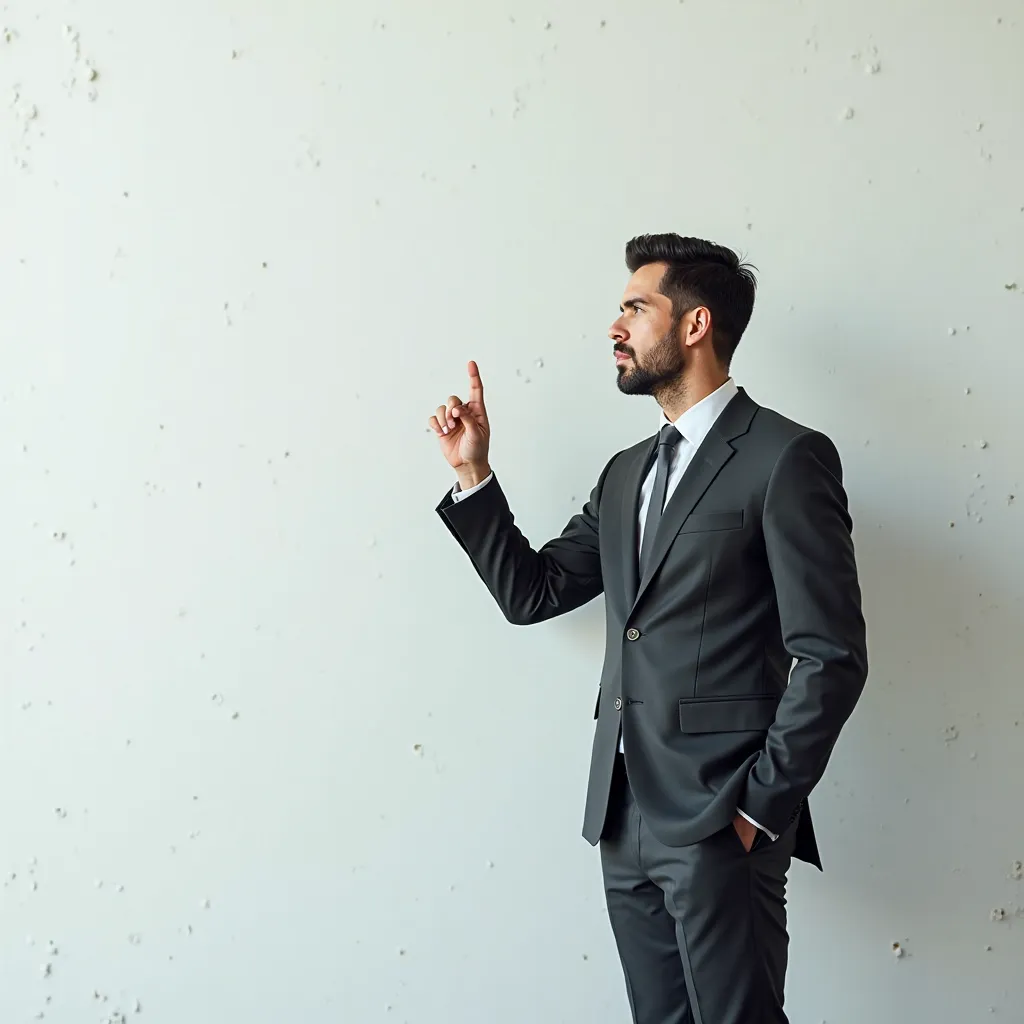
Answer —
696 326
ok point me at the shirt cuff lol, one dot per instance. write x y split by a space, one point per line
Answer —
458 494
771 835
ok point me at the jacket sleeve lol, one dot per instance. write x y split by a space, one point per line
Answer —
529 586
808 539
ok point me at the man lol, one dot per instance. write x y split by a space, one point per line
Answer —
735 646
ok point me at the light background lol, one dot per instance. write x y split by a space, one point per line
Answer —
239 269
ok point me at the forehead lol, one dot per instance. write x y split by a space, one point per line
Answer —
644 284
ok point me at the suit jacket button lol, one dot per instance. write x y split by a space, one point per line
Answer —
632 633
618 703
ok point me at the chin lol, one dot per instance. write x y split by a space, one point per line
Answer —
626 386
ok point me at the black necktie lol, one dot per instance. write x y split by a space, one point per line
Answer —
667 441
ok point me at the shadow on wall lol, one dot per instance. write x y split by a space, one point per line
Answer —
938 738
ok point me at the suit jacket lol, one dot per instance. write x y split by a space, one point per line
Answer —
732 666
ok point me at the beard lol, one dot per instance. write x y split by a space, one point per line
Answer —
661 368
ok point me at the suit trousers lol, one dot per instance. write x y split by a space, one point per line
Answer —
701 929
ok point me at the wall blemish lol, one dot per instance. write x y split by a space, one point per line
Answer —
81 70
26 115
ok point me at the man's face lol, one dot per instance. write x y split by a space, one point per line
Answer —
647 348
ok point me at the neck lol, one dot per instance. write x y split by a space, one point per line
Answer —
685 393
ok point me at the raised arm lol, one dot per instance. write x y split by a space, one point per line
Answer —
528 585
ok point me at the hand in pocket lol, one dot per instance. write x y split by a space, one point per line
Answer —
746 832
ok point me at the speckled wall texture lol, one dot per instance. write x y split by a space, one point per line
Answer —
268 752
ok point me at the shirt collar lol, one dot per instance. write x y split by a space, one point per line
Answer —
695 424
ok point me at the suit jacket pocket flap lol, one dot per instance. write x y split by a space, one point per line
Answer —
700 522
728 714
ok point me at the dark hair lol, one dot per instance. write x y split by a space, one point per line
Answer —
701 273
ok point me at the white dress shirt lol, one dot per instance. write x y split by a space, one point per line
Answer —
694 425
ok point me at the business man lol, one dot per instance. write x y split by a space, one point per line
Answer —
735 646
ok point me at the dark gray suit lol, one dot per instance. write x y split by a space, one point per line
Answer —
753 566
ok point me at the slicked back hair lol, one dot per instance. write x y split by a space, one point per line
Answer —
701 273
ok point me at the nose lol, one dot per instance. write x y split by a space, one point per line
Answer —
617 332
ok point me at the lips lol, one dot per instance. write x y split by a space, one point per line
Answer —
621 357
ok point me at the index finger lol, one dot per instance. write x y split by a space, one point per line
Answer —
476 385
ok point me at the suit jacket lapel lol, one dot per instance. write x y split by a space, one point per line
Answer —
706 464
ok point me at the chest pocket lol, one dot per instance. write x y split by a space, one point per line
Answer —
708 522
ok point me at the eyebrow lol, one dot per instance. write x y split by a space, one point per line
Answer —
633 303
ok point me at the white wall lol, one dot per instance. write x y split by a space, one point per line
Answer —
235 286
